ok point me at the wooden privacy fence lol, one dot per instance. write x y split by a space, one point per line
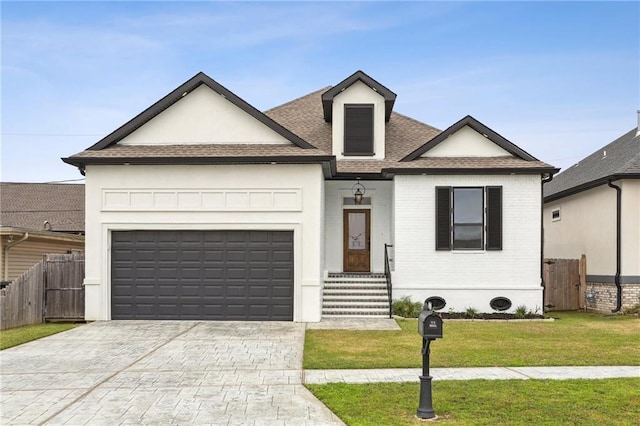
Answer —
22 301
51 289
64 292
564 284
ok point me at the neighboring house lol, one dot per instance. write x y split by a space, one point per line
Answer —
203 207
36 219
593 208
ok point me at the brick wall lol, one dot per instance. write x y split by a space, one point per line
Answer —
601 297
468 278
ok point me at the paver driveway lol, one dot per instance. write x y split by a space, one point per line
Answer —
161 372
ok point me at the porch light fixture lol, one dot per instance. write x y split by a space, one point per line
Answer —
358 190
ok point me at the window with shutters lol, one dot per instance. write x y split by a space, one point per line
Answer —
469 218
358 129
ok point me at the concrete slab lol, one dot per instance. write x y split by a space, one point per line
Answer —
487 373
354 323
161 372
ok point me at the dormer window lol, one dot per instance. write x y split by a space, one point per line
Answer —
358 109
358 129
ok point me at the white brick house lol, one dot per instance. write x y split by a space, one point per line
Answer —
202 207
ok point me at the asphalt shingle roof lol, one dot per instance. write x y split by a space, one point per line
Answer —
29 205
304 118
622 158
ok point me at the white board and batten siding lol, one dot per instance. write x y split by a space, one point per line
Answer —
468 278
233 197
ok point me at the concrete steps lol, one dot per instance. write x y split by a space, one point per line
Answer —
355 295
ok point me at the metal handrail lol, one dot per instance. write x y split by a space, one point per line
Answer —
387 274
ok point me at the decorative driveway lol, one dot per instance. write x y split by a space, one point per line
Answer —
161 372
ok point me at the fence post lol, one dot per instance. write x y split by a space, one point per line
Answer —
583 282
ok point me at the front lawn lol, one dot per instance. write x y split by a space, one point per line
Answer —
575 338
488 402
19 335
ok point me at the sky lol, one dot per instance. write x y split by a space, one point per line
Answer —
558 79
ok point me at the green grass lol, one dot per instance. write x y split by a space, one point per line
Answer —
19 335
489 402
576 338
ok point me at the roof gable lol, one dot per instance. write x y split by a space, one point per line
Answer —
203 117
479 128
329 95
467 142
183 91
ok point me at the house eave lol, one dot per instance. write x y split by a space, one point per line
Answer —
69 236
469 171
303 159
327 162
589 185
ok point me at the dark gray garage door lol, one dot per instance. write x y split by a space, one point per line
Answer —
211 275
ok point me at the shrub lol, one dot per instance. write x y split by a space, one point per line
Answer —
471 312
521 312
404 307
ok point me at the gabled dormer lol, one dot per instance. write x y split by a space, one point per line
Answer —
358 109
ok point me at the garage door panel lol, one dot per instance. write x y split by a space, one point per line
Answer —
191 255
285 256
281 274
259 310
282 291
214 275
236 255
235 273
211 292
189 291
259 274
213 255
256 255
285 238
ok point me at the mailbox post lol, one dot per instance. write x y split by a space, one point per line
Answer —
430 328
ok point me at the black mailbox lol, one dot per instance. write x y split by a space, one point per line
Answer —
429 325
430 328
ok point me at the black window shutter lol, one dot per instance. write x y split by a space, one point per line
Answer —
494 218
358 130
443 218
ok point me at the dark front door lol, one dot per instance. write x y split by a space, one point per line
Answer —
202 275
357 241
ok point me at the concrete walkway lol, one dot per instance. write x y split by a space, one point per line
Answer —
412 374
489 373
161 372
